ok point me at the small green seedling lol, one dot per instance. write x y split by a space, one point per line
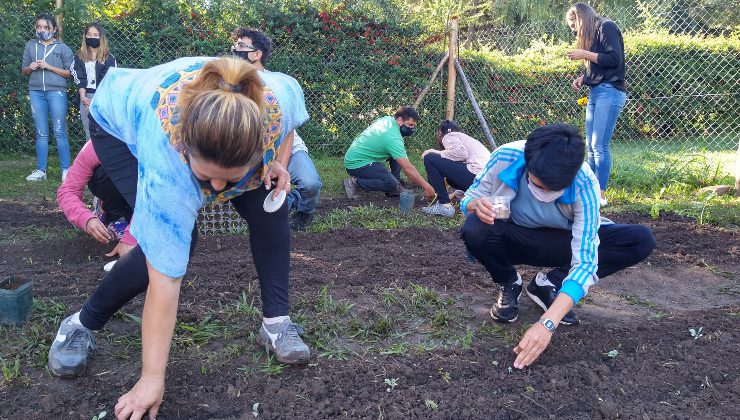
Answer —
612 354
10 371
391 382
431 405
445 375
100 416
511 370
256 409
696 333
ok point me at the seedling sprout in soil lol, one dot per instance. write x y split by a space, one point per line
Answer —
391 382
696 333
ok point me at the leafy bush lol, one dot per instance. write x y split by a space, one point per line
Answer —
357 61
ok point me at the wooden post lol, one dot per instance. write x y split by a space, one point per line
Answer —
476 108
59 17
431 80
451 73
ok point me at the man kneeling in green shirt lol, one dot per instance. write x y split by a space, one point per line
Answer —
382 142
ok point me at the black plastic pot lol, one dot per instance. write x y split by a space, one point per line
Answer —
16 301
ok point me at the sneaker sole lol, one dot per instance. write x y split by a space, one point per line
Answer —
490 312
297 360
66 373
541 304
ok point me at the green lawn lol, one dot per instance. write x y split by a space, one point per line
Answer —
643 180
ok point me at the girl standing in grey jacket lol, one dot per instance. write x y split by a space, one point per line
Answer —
46 61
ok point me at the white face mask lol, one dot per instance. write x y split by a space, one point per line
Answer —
542 195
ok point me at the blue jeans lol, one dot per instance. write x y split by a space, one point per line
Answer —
303 175
605 103
43 103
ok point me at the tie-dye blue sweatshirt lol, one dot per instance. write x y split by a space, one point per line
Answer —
139 107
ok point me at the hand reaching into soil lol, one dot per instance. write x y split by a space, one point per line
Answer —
534 342
97 230
145 396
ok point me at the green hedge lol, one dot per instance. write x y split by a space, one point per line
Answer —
356 63
679 86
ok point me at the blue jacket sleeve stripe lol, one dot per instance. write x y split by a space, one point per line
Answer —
589 249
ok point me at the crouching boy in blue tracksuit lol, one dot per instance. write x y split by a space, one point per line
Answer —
553 221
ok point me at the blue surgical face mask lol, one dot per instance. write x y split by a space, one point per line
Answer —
407 131
45 35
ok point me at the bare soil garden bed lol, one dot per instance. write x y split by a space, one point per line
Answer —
399 327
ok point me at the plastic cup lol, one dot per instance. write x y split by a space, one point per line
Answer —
501 206
407 200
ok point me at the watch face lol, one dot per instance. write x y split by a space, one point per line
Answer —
548 324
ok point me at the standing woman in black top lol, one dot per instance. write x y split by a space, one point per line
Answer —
90 64
599 44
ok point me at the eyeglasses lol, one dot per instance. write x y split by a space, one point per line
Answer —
245 45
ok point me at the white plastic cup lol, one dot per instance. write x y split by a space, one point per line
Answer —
501 206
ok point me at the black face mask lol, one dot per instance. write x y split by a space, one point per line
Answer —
206 185
92 42
244 55
407 131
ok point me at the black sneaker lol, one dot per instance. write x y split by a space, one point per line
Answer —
300 220
506 308
544 296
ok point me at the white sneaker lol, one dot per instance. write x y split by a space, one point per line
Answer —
64 174
36 175
438 209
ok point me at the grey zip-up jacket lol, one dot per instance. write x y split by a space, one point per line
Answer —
58 54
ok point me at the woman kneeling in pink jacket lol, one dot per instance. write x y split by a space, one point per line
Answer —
457 159
111 215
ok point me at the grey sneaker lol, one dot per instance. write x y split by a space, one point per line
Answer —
36 175
446 210
285 342
350 187
69 351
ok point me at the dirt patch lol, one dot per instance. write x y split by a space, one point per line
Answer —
374 304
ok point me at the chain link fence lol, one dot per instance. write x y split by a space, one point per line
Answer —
683 80
683 76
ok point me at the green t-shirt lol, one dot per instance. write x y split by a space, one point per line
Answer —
380 141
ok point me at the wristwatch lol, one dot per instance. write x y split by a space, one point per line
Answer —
548 324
